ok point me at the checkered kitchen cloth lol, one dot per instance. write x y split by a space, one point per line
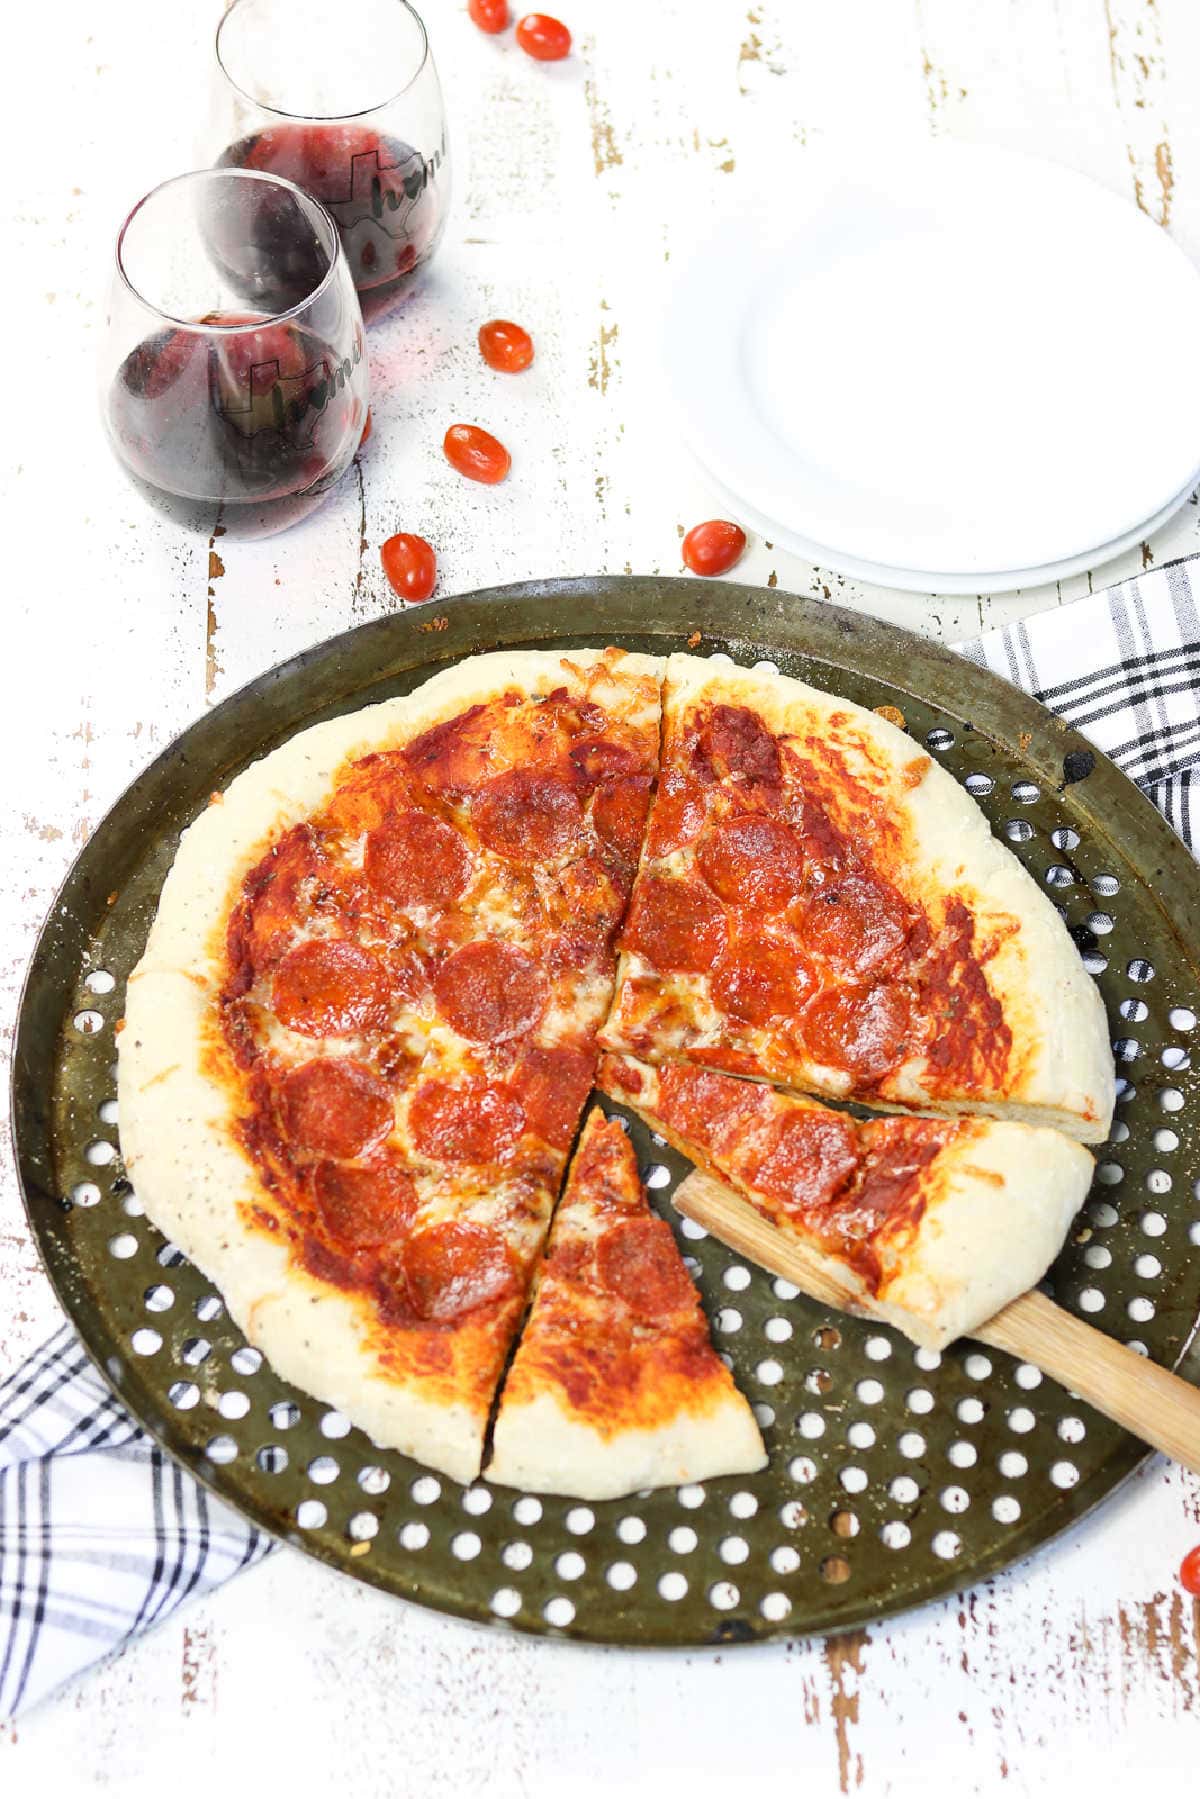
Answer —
101 1536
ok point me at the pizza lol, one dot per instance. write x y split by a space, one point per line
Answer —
362 1034
931 1224
820 905
615 1385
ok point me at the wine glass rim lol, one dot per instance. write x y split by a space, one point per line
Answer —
324 118
268 318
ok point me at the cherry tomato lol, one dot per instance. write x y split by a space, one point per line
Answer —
410 565
1189 1571
713 547
476 454
490 15
542 37
505 346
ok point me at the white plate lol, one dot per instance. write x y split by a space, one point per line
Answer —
955 361
913 580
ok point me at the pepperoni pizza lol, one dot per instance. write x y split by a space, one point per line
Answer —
820 905
615 1384
932 1224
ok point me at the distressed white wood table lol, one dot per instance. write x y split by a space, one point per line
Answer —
572 184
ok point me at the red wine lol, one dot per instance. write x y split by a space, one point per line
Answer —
258 423
381 193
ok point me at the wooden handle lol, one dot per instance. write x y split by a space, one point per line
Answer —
1157 1406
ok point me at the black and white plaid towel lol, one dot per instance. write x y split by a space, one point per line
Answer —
101 1536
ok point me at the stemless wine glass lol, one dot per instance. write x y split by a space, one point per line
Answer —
346 104
233 377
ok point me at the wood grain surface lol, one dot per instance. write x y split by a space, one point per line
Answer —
573 184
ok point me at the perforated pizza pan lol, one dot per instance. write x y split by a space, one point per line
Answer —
894 1475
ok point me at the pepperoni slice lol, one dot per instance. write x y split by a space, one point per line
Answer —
262 925
553 1086
364 1207
638 1261
676 925
619 814
330 988
597 759
715 1111
451 1269
528 815
813 1158
678 815
752 861
471 1122
864 1030
733 741
856 924
761 978
490 990
334 1107
418 861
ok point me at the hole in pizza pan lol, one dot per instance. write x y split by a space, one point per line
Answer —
784 1559
99 981
323 1470
728 1320
743 1504
374 1480
764 667
977 1366
1147 1267
854 1480
426 1490
784 1289
1072 1430
1140 970
284 1414
777 1330
621 1576
656 1176
516 1556
818 1380
272 1458
526 1510
221 1450
1182 1018
835 1569
1120 1131
927 1359
1006 1509
570 1565
335 1425
1141 1309
86 1193
682 1540
1127 1049
978 784
631 1530
733 1550
691 1496
904 1490
844 1524
1110 1174
1153 1224
963 1455
1028 1377
246 1360
1059 875
1021 1419
410 1536
1026 793
769 1372
234 1405
1096 1256
311 1514
1105 885
811 1425
1094 962
1018 830
970 1410
954 1499
775 1607
1064 1475
919 1399
465 1546
208 1306
184 1394
477 1501
911 1444
947 1544
195 1350
1137 1346
1166 1140
878 1348
1176 1058
1170 1099
860 1435
827 1336
793 1515
145 1341
123 1246
1064 838
506 1602
159 1297
1194 1232
895 1535
696 1233
939 739
736 1278
672 1586
1133 1011
1013 1464
106 1111
723 1595
802 1469
87 1023
100 1153
1099 922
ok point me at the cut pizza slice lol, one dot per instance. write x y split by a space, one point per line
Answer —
362 1034
820 905
615 1385
932 1224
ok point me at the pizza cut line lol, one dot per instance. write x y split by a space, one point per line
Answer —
362 1036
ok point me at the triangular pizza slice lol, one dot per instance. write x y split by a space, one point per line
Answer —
615 1384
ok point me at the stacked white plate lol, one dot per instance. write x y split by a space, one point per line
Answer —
955 370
